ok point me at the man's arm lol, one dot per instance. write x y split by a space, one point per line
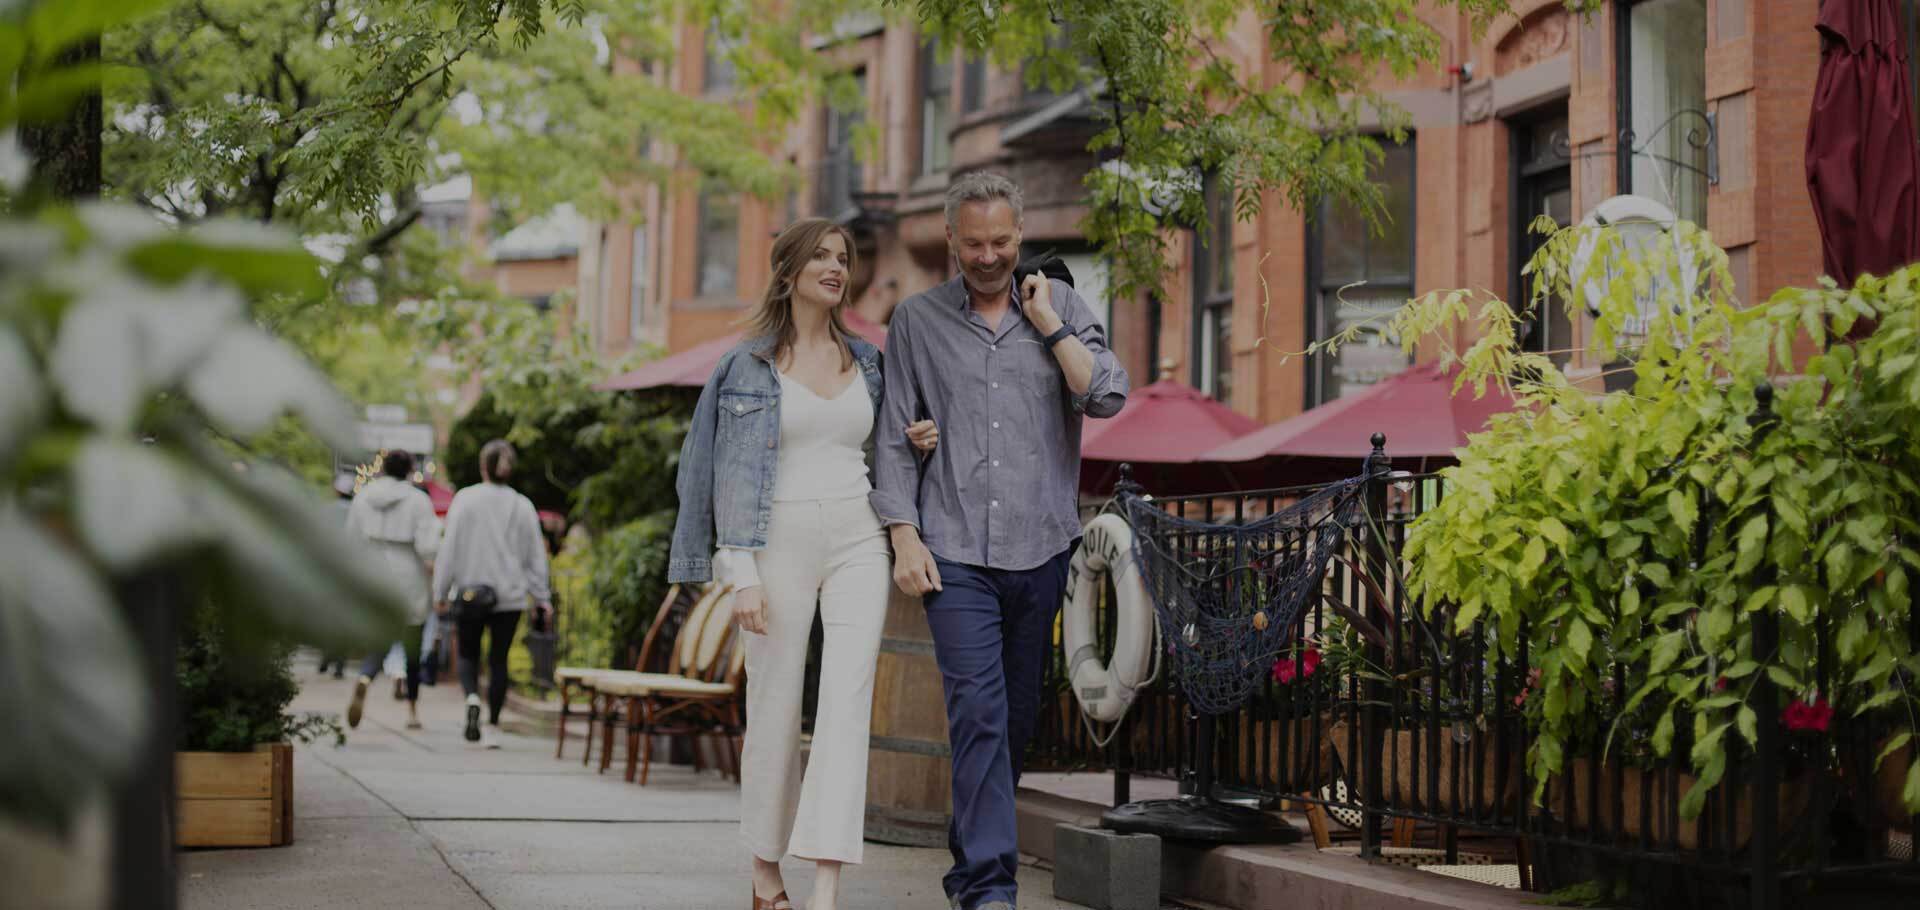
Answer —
896 466
1093 374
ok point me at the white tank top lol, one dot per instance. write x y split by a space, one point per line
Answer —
822 442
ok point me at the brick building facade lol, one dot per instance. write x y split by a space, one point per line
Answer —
1525 118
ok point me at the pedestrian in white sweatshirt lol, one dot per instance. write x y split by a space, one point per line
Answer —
493 551
398 517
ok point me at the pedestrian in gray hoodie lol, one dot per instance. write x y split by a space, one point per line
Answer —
398 517
493 543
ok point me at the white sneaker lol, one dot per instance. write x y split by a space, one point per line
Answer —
490 737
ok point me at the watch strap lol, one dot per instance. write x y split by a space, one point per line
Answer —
1060 334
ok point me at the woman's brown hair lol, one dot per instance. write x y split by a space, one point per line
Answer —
792 250
496 461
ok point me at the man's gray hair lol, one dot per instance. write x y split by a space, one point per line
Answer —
983 186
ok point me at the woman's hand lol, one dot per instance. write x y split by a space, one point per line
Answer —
750 609
924 435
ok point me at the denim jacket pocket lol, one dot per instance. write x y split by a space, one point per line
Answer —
745 419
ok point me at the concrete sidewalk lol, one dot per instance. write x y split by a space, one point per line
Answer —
423 820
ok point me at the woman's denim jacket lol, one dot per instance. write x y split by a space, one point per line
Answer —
727 463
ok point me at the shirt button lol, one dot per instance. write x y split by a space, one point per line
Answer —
996 424
995 503
996 464
738 408
996 385
993 347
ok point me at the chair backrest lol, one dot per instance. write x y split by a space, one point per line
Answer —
719 631
667 621
686 646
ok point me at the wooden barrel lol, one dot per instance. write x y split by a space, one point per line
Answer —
909 791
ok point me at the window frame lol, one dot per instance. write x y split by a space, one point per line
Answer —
936 143
701 247
1320 366
1211 335
1623 107
840 160
639 280
718 76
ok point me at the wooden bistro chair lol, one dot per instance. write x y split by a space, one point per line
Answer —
716 710
666 624
702 659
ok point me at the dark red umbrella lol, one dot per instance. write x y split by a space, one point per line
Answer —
691 368
1164 432
1417 409
440 495
1863 162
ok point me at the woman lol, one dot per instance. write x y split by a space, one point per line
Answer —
492 564
775 472
399 519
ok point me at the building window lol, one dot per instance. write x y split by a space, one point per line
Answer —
1662 65
719 251
637 284
1058 43
840 167
1360 278
1213 296
973 83
936 110
718 78
1543 185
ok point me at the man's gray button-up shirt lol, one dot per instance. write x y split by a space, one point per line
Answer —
1001 490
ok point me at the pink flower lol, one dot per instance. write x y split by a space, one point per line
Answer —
1285 669
1803 716
1720 685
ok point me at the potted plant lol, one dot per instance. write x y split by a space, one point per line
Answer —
234 758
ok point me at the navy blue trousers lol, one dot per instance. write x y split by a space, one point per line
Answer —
991 632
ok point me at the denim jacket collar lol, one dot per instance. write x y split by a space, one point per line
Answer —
865 354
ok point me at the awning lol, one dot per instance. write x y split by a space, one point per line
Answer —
1416 409
692 367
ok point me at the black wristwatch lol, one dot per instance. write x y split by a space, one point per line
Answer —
1060 333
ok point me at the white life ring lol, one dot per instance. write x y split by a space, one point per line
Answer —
1106 690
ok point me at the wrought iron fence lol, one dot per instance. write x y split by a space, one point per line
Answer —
1398 717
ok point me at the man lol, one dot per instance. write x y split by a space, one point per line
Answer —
983 528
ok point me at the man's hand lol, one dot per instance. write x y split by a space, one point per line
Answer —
440 607
913 568
750 609
1036 301
546 609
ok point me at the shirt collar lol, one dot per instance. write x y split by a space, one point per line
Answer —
963 298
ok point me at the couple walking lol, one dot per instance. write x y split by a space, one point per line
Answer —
775 477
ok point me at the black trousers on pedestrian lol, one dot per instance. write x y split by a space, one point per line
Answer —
500 627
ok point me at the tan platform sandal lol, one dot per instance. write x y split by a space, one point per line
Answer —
777 902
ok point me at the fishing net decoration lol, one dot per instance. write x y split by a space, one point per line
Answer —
1209 582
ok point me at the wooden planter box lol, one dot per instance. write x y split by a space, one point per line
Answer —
1665 791
1289 763
1404 773
235 799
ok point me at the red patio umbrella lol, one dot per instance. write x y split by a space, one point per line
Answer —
1863 162
440 495
692 367
1164 432
1417 409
